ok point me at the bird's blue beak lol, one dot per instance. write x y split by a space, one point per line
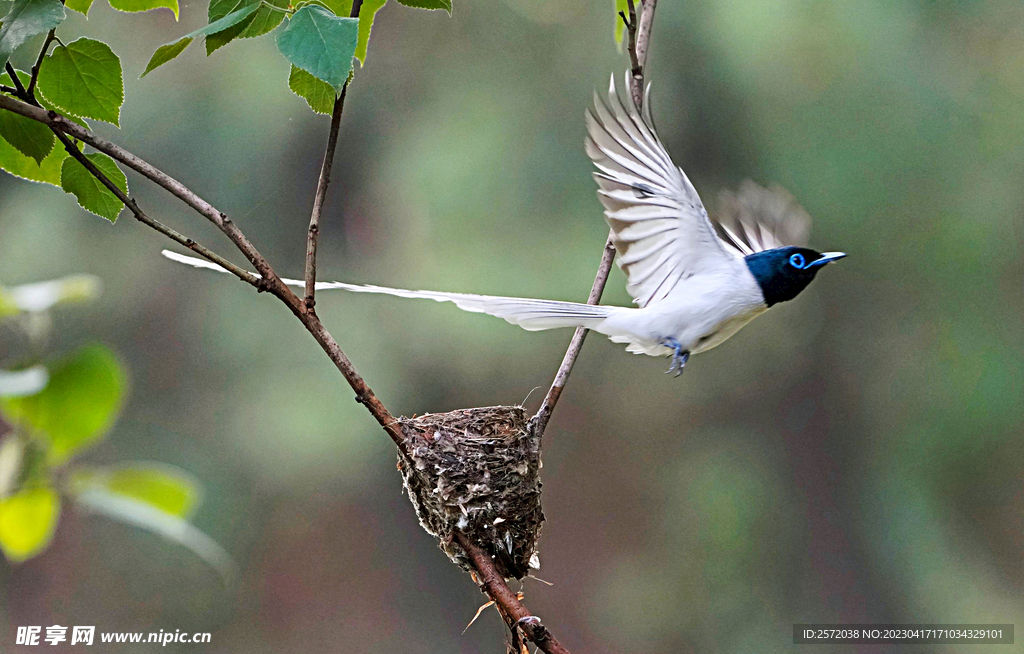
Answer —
827 257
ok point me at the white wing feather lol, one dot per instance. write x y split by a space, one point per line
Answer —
659 225
756 218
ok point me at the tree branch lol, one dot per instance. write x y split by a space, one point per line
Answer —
141 216
34 73
514 610
19 88
35 112
318 200
631 24
639 41
313 234
640 48
539 422
176 188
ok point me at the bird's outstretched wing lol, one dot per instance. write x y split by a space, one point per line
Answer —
659 225
757 218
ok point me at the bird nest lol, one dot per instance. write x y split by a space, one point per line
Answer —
478 471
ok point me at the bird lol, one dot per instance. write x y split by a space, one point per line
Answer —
695 281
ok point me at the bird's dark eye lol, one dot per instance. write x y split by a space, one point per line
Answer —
797 261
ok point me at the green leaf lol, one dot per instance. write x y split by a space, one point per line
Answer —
81 6
320 43
24 77
171 50
620 25
318 94
30 138
92 195
23 166
163 487
367 12
366 16
83 79
26 19
429 4
263 21
27 522
77 407
165 53
133 6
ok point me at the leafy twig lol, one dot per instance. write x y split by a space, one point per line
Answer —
639 31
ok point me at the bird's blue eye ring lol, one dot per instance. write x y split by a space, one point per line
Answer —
797 261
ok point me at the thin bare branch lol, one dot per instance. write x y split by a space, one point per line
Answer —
142 217
19 88
643 42
631 25
313 234
176 188
494 585
364 395
34 74
639 35
539 422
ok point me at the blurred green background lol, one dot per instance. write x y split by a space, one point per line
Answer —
853 456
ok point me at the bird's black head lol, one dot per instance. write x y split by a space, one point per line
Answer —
783 272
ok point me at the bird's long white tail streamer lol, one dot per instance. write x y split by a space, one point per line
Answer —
530 314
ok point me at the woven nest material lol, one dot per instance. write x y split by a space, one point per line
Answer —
477 470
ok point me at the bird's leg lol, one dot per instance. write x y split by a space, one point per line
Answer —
680 357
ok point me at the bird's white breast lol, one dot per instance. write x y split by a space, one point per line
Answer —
701 312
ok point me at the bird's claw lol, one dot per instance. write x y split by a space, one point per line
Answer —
679 358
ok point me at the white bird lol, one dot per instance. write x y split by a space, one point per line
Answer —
695 283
